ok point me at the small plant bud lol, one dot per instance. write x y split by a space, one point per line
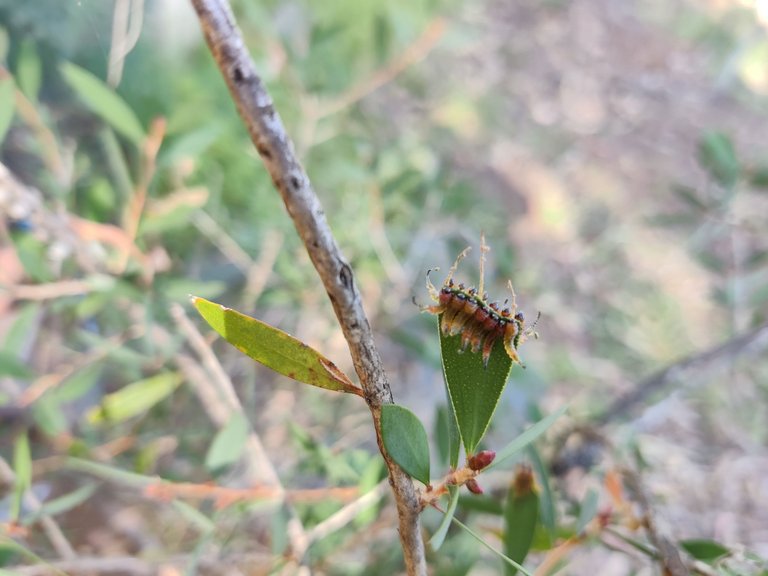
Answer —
481 460
473 486
524 482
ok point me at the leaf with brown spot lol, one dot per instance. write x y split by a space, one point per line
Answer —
274 348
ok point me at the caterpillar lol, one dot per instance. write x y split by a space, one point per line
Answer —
467 312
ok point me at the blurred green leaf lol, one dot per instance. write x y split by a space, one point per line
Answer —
29 70
108 472
23 328
134 399
521 514
474 389
506 559
758 176
228 444
442 531
718 157
79 384
7 105
373 473
11 365
704 550
49 416
547 507
588 510
203 524
446 434
33 255
482 503
274 348
62 503
527 437
104 102
22 468
690 197
406 442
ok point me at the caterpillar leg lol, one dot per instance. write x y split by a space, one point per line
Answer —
512 353
434 293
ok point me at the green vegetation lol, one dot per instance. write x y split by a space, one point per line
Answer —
628 205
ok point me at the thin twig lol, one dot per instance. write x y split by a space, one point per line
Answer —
50 152
258 274
222 240
135 207
50 527
348 513
753 342
219 400
414 53
667 553
133 566
49 291
277 151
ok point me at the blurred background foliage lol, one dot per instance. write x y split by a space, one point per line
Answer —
614 155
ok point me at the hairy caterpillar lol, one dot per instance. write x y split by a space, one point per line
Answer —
467 312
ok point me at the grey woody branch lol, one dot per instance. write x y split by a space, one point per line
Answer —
754 342
276 150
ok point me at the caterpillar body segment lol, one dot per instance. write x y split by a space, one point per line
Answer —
467 312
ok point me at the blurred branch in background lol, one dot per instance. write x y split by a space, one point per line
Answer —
51 529
753 343
416 52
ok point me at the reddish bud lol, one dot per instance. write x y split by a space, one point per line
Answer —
473 486
481 460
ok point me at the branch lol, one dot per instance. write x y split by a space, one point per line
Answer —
753 342
276 150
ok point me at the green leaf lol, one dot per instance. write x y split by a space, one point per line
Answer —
588 510
446 434
62 503
690 197
718 157
442 531
406 441
108 472
473 388
274 348
22 468
134 399
12 366
29 70
229 443
7 105
25 324
758 176
481 503
104 102
548 510
527 437
203 524
506 559
704 550
521 514
49 416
